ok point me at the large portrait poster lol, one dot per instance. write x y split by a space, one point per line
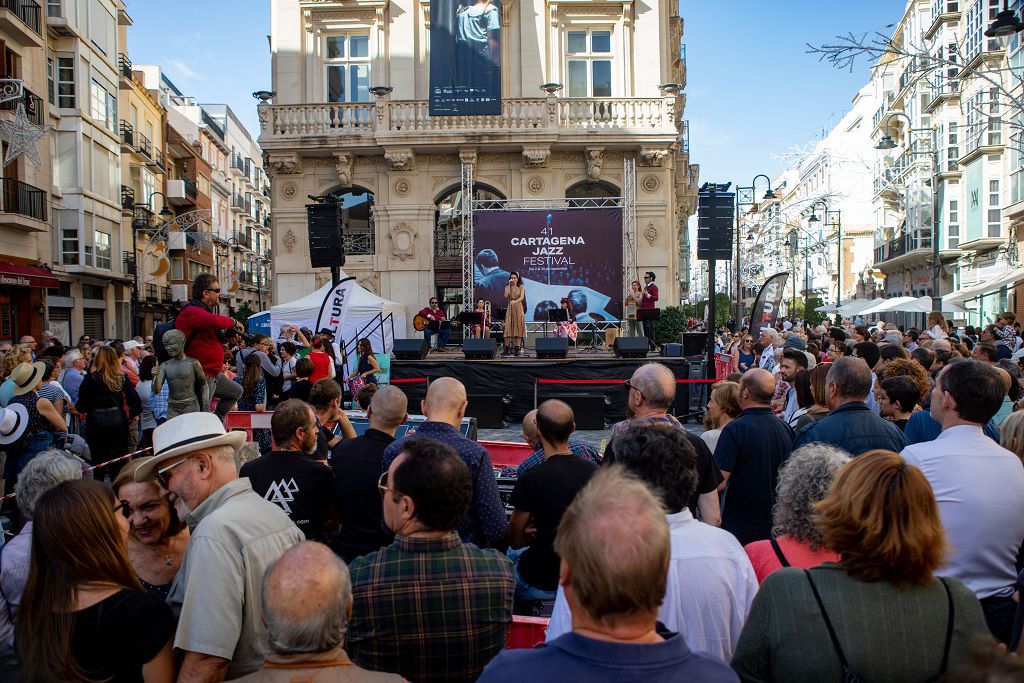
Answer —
573 254
465 57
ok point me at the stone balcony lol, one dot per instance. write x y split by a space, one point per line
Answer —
542 120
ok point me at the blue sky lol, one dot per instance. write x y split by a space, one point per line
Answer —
752 91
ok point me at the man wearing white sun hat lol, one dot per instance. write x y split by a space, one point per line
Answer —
236 535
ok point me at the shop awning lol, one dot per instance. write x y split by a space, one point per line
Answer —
1007 279
14 275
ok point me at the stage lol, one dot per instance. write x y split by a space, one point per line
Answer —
592 382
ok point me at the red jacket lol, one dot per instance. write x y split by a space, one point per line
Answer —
321 365
200 328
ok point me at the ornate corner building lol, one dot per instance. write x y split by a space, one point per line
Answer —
333 130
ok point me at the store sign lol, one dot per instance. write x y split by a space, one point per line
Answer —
14 280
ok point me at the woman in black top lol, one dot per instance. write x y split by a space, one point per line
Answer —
111 407
84 615
367 368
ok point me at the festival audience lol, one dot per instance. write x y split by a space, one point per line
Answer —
978 486
851 425
291 476
796 540
254 396
723 408
110 406
326 401
444 406
154 408
429 606
793 361
323 362
84 615
236 534
711 611
532 437
615 544
818 408
74 373
1011 434
46 426
540 497
357 467
898 396
749 452
302 386
879 613
156 537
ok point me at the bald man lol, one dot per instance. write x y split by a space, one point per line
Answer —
650 394
306 604
750 451
445 405
357 466
532 437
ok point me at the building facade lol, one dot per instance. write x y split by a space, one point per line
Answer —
399 170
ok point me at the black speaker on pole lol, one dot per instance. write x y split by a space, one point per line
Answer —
552 347
410 349
631 347
695 343
326 249
479 349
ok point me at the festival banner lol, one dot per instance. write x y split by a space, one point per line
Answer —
335 307
573 254
465 57
765 312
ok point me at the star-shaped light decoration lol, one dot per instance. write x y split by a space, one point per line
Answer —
23 137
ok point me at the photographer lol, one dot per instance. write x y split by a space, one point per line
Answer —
206 333
263 347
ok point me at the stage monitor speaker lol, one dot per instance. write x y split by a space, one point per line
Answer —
410 349
672 350
631 347
695 343
488 409
326 249
552 347
479 349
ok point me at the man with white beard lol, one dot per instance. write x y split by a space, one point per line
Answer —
236 535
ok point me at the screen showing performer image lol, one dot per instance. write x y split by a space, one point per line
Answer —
465 57
571 254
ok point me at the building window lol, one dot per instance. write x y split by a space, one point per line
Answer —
51 81
953 149
347 66
66 82
103 106
69 247
953 229
589 63
177 268
995 222
101 241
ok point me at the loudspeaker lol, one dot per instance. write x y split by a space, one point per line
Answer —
410 349
631 347
326 249
672 350
552 347
695 343
488 409
479 349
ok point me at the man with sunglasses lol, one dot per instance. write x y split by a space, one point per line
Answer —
434 316
202 326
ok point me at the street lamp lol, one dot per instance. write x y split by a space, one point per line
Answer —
838 224
745 195
139 223
1005 24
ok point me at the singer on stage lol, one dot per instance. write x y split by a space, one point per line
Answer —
648 300
515 316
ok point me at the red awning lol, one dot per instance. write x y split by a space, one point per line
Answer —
13 275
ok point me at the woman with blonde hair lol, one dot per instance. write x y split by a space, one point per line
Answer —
1011 433
8 362
111 407
880 613
938 328
723 408
84 616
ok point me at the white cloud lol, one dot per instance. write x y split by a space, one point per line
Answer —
182 70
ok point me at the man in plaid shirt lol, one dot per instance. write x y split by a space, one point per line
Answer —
429 607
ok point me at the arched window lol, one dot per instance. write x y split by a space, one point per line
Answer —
448 219
592 189
356 220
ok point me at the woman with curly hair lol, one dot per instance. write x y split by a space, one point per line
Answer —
804 480
902 367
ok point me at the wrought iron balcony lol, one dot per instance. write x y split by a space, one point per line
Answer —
28 11
124 66
901 245
22 198
358 243
127 197
33 106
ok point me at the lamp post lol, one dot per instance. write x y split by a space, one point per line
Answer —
837 223
141 223
745 195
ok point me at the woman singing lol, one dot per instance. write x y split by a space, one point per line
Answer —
515 317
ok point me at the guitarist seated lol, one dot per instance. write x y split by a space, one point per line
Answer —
431 317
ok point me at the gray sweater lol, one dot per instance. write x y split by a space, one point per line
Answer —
887 633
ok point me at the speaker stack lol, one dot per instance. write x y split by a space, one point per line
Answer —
326 249
631 347
479 349
411 349
552 347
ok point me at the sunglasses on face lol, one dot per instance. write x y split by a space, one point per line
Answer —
216 291
633 387
163 477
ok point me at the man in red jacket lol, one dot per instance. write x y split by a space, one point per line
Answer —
201 327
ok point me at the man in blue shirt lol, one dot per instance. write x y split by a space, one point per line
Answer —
445 406
614 546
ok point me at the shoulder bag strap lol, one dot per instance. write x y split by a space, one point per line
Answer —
779 554
949 627
828 623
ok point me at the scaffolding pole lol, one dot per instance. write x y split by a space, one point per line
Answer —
466 211
629 268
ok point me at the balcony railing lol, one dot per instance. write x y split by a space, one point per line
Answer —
127 197
22 198
144 146
157 159
190 187
151 292
33 106
165 295
902 244
554 114
124 65
127 133
26 10
213 125
358 243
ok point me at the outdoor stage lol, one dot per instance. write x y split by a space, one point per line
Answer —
591 383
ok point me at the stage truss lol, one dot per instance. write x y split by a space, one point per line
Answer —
629 271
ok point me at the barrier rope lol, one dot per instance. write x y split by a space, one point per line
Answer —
102 464
617 381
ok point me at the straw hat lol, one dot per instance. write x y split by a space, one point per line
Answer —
187 433
26 376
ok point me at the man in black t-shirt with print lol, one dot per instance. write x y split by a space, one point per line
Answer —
540 497
291 477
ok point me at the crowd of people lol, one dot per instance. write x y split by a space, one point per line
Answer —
848 513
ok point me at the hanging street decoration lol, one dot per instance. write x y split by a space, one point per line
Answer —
22 136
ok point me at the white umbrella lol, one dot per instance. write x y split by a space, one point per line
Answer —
898 303
924 305
858 306
826 309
